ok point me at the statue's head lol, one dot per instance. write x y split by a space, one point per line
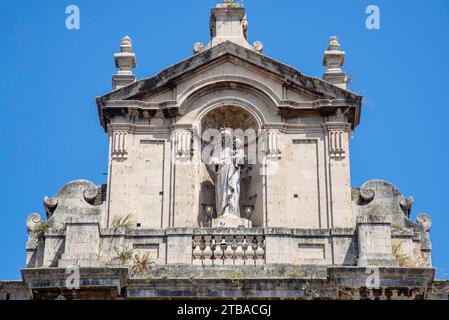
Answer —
226 132
238 143
226 137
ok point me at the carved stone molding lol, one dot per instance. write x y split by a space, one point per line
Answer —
118 146
273 144
336 144
183 144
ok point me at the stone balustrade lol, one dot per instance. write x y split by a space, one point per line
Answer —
228 250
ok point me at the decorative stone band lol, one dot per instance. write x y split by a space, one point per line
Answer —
118 146
228 250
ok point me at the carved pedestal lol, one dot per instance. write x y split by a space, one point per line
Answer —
230 221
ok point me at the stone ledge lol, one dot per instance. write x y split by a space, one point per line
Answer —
183 281
399 233
348 232
374 219
228 231
389 277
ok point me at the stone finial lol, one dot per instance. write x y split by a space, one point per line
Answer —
125 61
229 4
126 44
334 59
334 45
228 22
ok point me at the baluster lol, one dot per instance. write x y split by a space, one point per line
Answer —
238 251
229 254
245 248
197 252
251 252
207 253
213 247
260 251
222 247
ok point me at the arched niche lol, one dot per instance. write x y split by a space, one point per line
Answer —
246 125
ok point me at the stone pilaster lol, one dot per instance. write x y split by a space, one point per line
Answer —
82 242
338 173
374 239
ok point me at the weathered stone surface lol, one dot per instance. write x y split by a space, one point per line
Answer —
152 232
267 282
77 198
230 221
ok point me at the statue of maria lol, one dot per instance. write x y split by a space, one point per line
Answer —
228 165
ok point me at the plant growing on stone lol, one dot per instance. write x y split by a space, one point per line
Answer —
295 273
124 254
40 230
126 222
192 280
236 277
142 263
396 225
377 209
402 259
165 275
309 290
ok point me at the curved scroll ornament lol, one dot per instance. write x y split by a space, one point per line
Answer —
258 46
33 221
198 47
91 194
50 205
406 205
424 220
366 196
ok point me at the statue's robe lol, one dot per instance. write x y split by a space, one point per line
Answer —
227 185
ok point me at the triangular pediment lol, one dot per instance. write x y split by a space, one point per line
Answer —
314 89
318 87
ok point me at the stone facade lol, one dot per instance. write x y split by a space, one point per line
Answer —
154 219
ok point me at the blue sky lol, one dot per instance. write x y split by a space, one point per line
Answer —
49 128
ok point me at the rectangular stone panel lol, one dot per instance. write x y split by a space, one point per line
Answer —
303 205
311 251
149 193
